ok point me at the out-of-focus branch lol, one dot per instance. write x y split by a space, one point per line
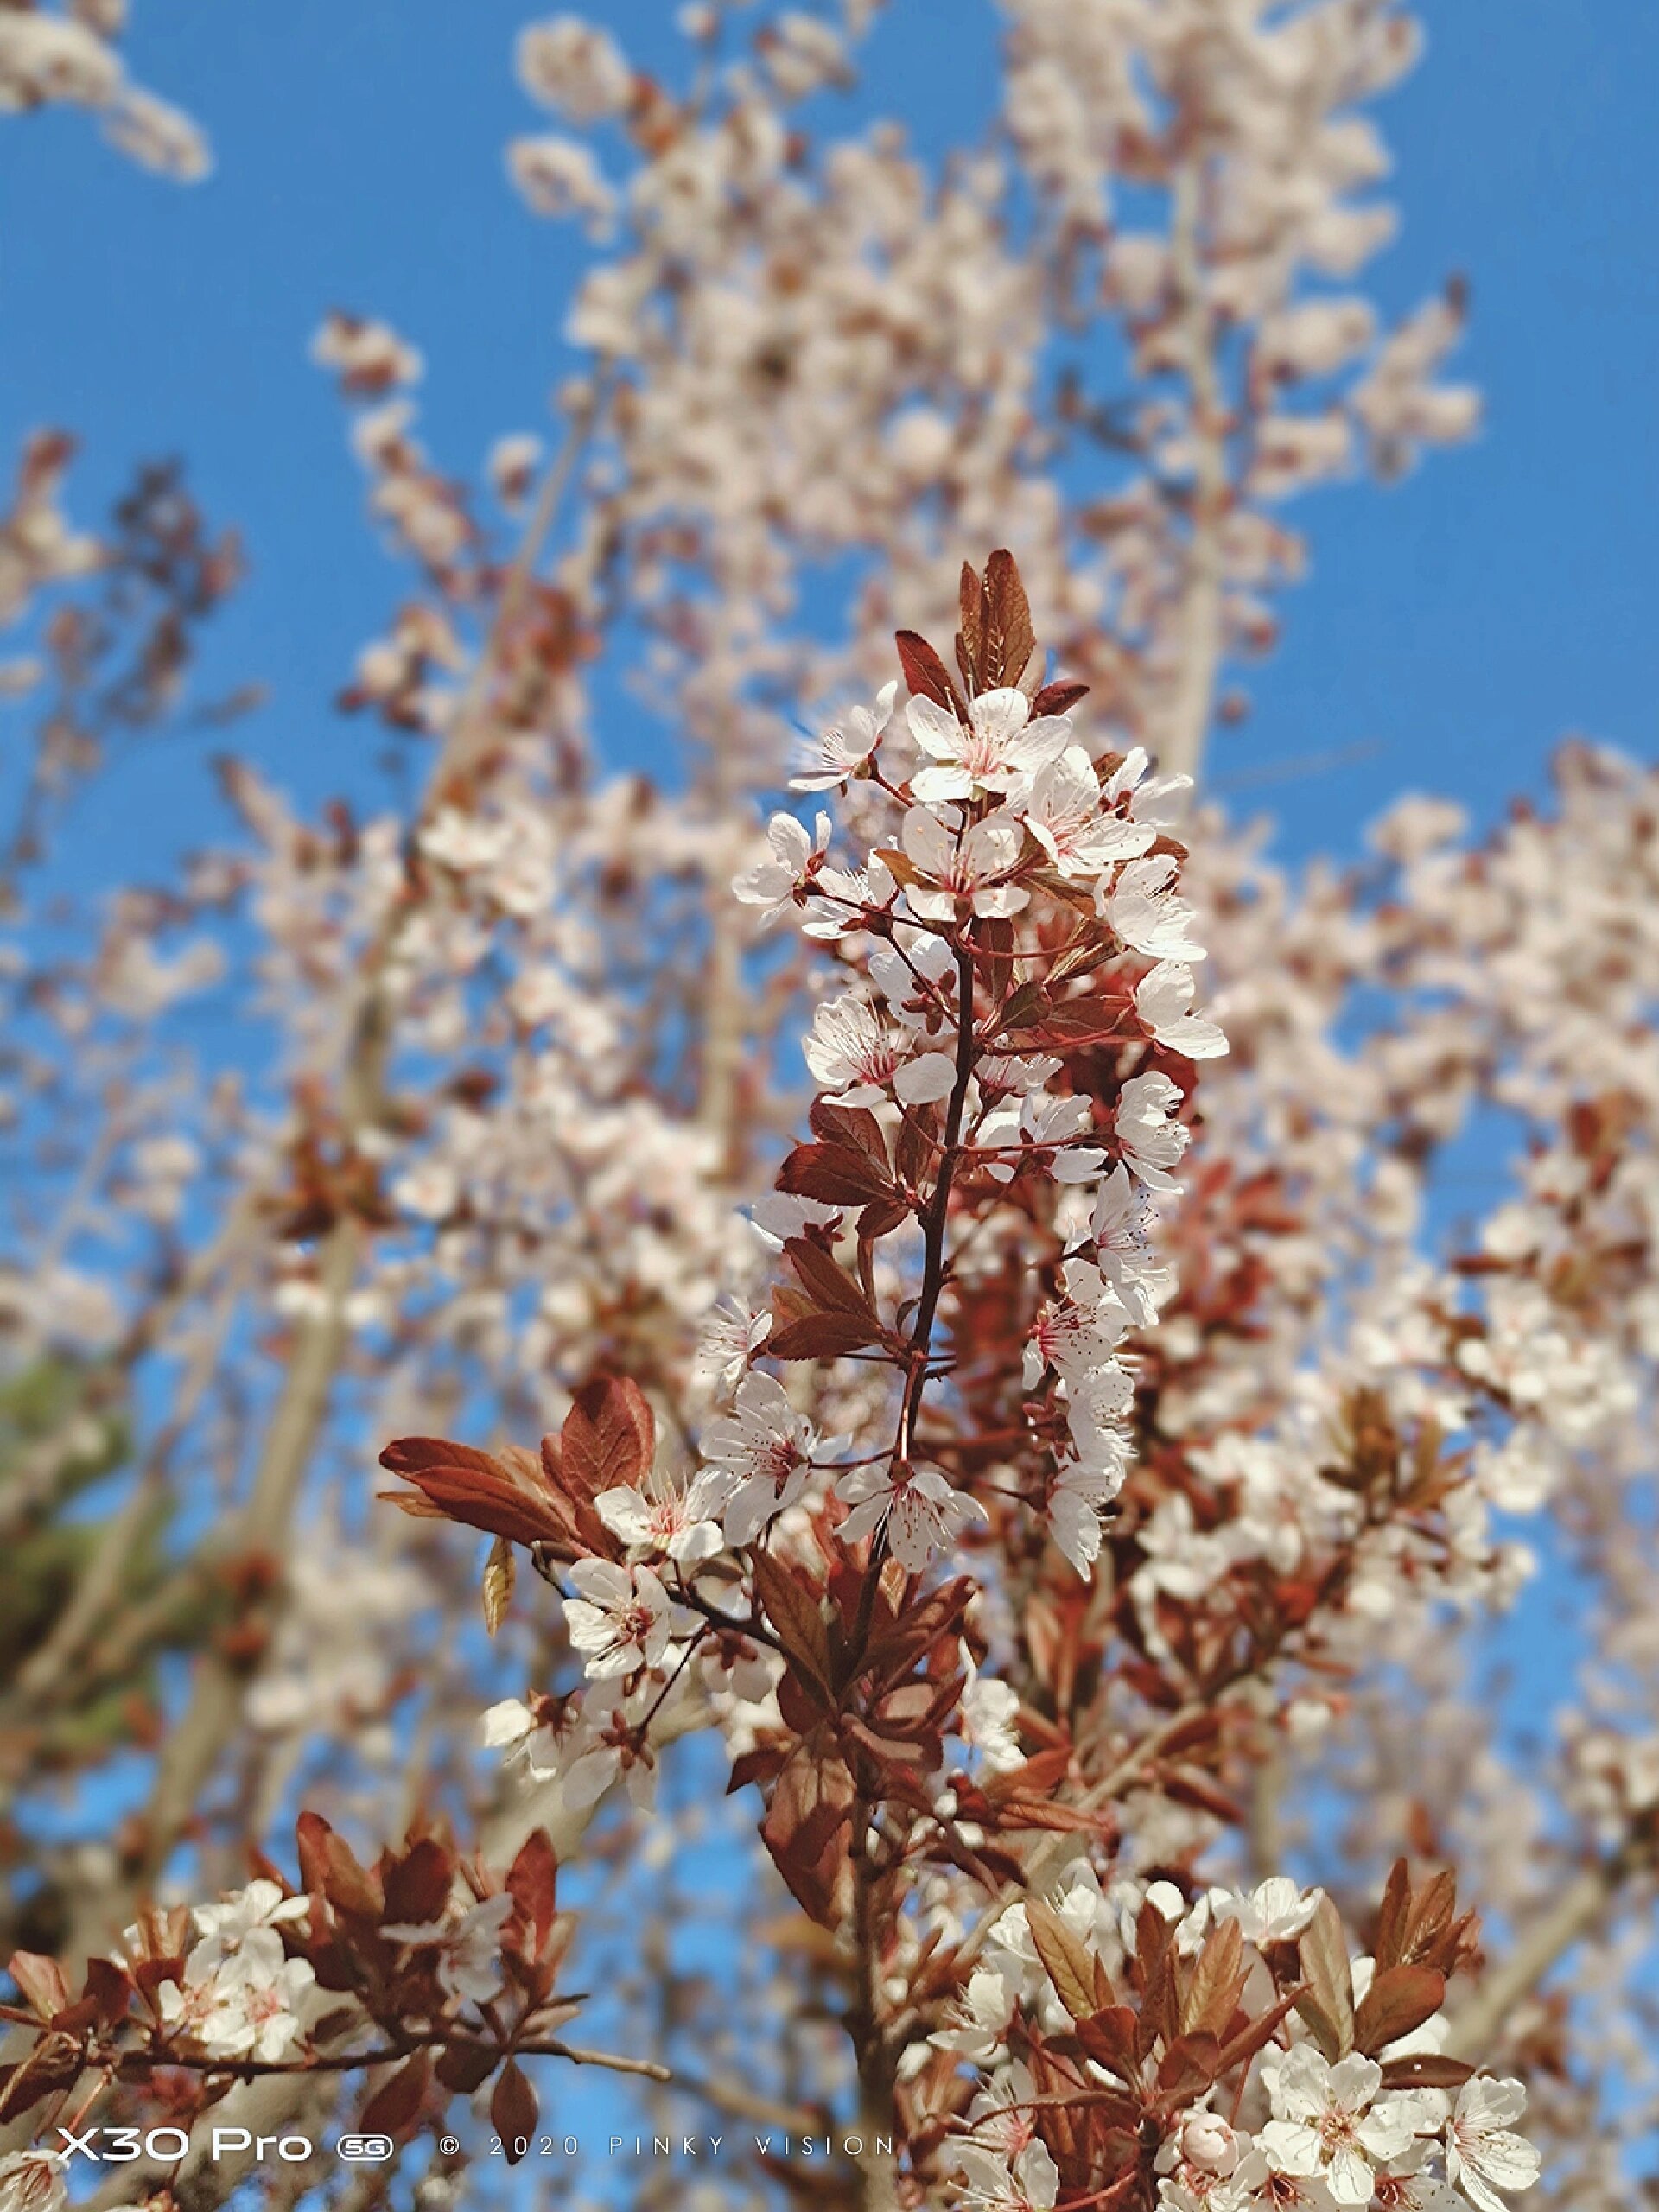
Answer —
106 1382
723 1023
94 1595
1185 722
741 2103
192 1748
1576 1913
321 1339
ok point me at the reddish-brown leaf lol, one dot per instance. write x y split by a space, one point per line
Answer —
1109 2037
970 639
1399 2000
331 1870
1009 639
806 1826
1327 2005
1191 1786
1250 2040
1041 1772
532 1883
1049 1815
912 1152
41 1981
895 1649
834 1173
1218 1977
760 1765
925 674
512 2111
411 1455
898 865
1057 698
1159 2000
609 1437
417 1884
853 1125
1188 2068
1432 1909
1427 2070
54 2063
475 1489
110 1990
881 1220
793 1612
1024 1007
821 1336
1077 1023
1066 1958
830 1287
1394 1917
464 2066
396 2104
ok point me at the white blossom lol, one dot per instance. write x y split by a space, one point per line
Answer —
574 68
468 1945
990 1713
1032 2184
1151 1140
620 1619
758 1459
1163 999
1146 914
842 747
732 1333
559 177
1482 2153
1077 1491
855 1058
32 2181
922 1511
662 1515
970 869
1063 810
1329 2121
999 745
771 885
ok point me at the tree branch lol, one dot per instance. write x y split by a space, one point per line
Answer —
1478 2024
1186 720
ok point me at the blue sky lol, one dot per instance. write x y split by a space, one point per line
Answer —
1455 628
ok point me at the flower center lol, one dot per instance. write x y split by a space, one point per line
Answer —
878 1060
1338 2130
778 1463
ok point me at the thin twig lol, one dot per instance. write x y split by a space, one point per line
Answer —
353 2061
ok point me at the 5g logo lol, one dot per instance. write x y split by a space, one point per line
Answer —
365 2150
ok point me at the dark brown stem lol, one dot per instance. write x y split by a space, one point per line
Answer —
877 2169
938 1210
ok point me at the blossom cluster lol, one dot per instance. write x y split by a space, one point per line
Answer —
1273 2069
70 55
421 1971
